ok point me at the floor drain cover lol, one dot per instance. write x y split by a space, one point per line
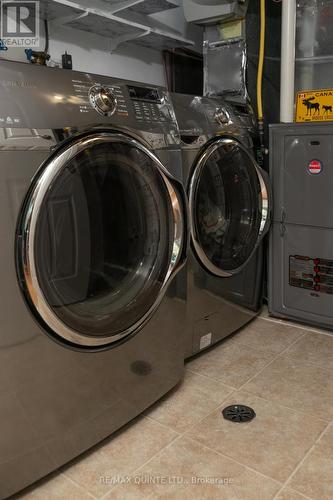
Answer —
238 413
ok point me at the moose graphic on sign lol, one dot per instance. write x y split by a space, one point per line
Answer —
326 109
314 106
311 106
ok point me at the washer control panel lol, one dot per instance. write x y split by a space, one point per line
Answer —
142 107
147 111
106 100
103 99
36 97
148 104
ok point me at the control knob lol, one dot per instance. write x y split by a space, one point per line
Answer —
103 100
221 116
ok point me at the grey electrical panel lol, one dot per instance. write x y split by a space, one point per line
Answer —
300 278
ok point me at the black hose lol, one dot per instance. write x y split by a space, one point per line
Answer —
46 26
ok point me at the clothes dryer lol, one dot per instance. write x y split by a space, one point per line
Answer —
229 207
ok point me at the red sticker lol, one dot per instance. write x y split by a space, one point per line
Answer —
315 167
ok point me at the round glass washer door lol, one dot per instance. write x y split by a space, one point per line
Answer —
101 233
229 207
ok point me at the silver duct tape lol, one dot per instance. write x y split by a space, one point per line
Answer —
225 68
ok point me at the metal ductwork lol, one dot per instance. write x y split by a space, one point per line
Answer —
212 11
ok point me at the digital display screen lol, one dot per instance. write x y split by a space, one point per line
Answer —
144 94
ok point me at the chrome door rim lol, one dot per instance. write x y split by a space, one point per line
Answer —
200 164
49 174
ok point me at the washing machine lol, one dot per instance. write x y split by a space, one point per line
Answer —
229 207
93 240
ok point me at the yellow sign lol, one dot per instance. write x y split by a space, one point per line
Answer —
314 106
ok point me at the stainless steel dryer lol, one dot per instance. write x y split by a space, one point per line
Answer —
93 238
229 212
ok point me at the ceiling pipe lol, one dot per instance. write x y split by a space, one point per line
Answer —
288 36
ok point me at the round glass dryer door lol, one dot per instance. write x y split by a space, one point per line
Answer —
101 231
228 198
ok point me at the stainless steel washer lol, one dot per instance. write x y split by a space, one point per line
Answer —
93 230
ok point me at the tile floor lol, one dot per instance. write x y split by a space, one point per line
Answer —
182 447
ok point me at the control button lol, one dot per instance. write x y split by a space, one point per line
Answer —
221 116
103 100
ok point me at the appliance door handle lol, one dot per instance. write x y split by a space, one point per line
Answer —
266 201
183 203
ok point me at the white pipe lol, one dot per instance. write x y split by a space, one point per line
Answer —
287 87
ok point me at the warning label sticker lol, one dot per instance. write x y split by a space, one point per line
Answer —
311 273
314 106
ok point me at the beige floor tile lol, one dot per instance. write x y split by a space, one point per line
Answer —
301 386
289 494
120 455
273 443
191 401
268 336
315 476
315 348
58 487
188 462
230 362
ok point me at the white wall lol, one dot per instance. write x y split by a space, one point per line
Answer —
91 52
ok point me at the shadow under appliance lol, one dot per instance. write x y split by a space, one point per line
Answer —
93 227
229 201
300 274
